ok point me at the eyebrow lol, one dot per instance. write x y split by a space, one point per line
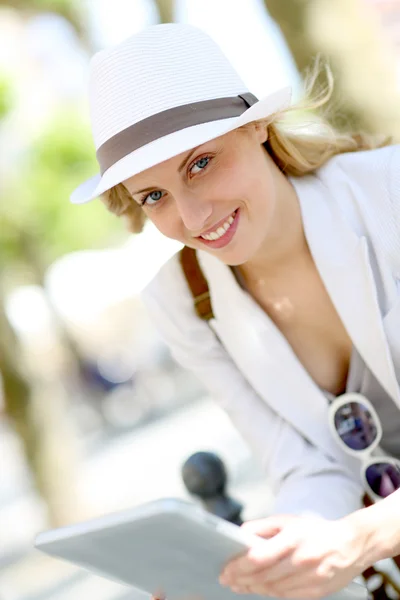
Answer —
149 189
180 168
187 157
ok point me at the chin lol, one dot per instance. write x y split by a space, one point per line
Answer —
234 258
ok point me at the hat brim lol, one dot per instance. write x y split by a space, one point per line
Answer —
175 143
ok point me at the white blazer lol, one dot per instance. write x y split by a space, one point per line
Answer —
351 216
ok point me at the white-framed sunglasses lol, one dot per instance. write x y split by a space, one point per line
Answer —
356 426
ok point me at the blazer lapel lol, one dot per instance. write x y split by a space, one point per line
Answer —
343 261
267 361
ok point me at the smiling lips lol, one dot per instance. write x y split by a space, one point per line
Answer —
220 231
222 234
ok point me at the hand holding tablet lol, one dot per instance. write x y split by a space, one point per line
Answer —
168 547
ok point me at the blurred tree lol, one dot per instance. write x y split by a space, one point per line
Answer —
60 157
38 417
72 10
347 34
6 96
166 10
38 226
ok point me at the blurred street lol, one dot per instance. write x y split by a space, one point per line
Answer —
131 469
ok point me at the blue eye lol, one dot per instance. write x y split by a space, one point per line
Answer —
200 164
152 198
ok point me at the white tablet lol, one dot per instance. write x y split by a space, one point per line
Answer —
169 547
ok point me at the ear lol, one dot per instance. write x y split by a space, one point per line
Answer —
261 131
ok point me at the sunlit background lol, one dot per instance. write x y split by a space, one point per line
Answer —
94 414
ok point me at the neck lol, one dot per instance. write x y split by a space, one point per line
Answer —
285 244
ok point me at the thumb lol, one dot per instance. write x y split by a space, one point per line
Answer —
269 526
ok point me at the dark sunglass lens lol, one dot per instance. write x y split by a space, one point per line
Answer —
383 478
355 425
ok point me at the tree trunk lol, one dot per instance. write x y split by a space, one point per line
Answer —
347 33
38 417
33 255
166 10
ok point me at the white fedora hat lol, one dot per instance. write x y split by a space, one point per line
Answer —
161 92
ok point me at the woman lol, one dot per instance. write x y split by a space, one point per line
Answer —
295 321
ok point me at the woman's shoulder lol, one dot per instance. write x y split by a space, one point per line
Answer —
169 292
169 303
365 162
365 186
167 279
368 181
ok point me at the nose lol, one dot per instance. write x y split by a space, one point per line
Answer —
193 210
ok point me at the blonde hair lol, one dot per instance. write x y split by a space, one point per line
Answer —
297 149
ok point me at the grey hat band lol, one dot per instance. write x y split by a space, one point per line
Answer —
170 121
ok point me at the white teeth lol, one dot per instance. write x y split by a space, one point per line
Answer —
215 235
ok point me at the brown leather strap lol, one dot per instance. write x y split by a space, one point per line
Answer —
197 283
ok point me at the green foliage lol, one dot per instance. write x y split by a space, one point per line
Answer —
74 11
66 8
53 5
37 203
6 96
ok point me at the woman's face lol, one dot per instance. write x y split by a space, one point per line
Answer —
219 197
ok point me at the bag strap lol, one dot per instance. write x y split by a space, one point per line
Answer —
197 283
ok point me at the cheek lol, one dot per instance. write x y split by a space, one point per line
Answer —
221 189
261 188
167 222
248 173
227 182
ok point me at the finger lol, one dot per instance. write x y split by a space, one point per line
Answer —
268 527
298 593
301 586
291 587
309 586
275 574
305 590
242 589
263 555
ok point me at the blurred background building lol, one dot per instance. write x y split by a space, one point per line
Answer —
94 414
